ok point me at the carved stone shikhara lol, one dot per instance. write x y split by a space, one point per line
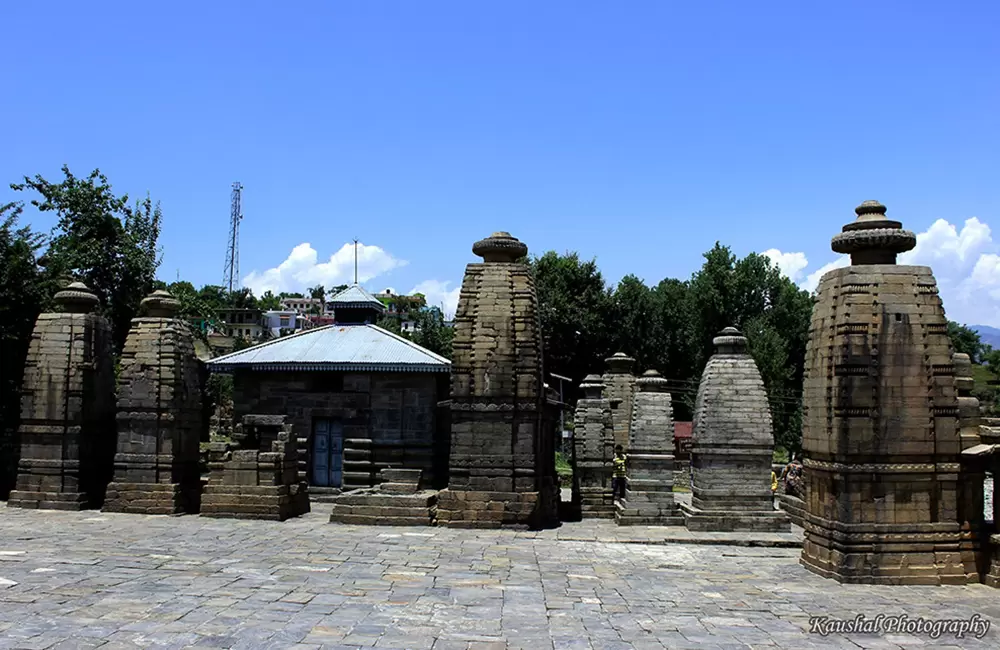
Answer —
649 495
619 388
593 442
67 427
881 421
732 446
160 415
502 466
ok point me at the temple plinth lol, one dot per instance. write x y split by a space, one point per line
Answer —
502 465
881 420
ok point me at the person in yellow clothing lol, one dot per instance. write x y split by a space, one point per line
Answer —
618 475
774 489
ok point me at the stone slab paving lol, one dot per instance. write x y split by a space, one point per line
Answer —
88 579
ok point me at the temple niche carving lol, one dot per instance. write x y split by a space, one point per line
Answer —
881 425
502 465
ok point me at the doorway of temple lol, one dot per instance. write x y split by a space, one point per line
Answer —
327 452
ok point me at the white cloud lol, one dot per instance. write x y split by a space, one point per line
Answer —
302 269
790 264
437 294
965 262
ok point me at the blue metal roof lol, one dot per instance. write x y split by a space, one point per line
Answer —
355 296
364 348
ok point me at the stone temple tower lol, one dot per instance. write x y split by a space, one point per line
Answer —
732 445
502 465
593 449
67 407
619 385
159 415
880 427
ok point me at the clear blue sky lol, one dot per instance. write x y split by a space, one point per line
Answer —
639 133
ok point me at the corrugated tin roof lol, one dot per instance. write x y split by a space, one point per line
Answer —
364 348
683 429
355 296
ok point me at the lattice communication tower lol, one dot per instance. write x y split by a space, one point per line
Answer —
231 274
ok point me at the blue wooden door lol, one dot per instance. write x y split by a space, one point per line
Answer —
328 453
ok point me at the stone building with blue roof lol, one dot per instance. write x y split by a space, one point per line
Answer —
361 398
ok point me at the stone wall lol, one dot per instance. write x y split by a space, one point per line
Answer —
502 464
396 412
256 476
160 415
880 426
67 427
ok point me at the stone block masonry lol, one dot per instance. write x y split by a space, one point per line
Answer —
619 388
160 415
247 482
67 427
502 466
732 445
881 434
396 501
593 441
649 494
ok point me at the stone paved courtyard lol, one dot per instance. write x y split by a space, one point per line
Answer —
79 580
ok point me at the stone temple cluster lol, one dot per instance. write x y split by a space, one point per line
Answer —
895 452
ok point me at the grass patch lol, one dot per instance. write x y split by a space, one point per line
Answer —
563 468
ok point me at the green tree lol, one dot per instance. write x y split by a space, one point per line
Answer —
269 301
574 309
965 339
637 325
103 241
241 299
430 332
25 290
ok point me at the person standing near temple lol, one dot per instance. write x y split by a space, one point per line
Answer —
618 477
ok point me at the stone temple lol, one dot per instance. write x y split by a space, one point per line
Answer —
593 449
732 446
880 428
619 388
67 408
649 495
160 415
502 469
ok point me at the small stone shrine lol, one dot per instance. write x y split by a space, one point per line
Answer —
257 477
160 415
593 449
67 408
732 445
619 388
502 464
880 426
649 494
397 500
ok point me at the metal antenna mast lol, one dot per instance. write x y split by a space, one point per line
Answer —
355 260
231 274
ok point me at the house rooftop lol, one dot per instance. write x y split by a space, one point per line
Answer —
358 348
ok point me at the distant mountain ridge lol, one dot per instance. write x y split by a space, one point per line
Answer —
988 335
